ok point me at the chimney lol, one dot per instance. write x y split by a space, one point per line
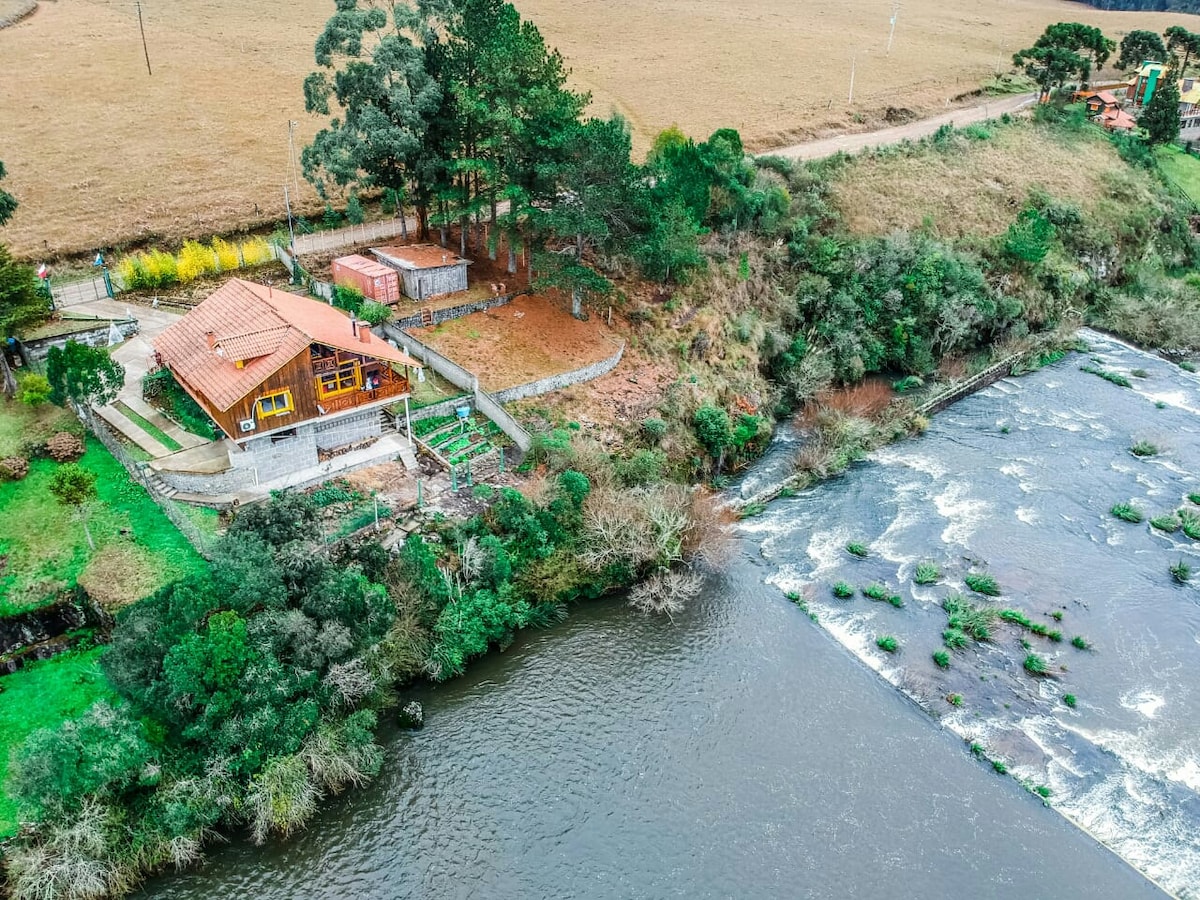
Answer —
364 334
212 339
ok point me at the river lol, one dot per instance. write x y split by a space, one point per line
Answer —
743 751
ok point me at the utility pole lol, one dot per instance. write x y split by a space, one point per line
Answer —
293 160
895 17
142 29
287 202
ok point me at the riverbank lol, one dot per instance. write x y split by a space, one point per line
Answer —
1017 482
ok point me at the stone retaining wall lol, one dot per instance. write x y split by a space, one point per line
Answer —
34 352
558 382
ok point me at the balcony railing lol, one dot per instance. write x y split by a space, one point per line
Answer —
395 387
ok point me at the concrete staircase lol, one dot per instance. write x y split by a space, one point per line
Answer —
389 424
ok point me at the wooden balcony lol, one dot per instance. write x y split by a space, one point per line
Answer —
389 385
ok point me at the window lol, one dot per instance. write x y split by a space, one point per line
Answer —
347 377
275 404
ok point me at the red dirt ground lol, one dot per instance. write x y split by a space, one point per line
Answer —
530 338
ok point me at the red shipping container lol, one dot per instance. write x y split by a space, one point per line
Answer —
376 281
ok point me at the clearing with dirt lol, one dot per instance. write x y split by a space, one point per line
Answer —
533 337
99 152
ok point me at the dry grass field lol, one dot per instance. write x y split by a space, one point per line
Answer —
973 187
101 153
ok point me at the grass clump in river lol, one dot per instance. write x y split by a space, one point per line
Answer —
1070 700
941 659
1170 523
1057 615
1194 498
1144 448
843 591
1111 377
1190 522
887 643
1036 666
927 573
954 638
1127 512
955 699
973 621
999 767
1181 572
897 601
1079 642
857 550
983 583
875 591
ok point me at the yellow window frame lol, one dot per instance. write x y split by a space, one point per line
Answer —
338 377
275 410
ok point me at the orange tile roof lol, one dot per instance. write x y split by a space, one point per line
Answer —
1118 118
419 256
262 328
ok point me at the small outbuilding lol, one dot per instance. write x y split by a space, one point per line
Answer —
372 279
426 270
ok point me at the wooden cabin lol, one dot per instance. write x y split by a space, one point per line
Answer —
425 270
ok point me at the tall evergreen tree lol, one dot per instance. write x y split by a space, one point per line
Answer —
1161 116
1065 51
375 82
1140 46
1182 41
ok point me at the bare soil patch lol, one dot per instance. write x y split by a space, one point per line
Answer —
533 337
101 153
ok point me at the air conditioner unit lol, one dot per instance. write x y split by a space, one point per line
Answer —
247 425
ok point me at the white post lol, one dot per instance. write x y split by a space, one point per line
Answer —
853 61
408 421
892 34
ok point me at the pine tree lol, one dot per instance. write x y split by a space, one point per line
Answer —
1161 116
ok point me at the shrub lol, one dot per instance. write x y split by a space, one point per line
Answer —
906 384
256 251
1080 643
34 390
1127 512
887 643
983 583
843 591
1144 448
941 659
348 298
195 261
1181 572
226 255
654 429
644 467
1070 700
875 591
1169 524
859 550
955 699
354 210
14 468
927 573
375 313
1035 665
64 447
954 638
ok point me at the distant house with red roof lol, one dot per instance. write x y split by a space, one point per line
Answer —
1104 108
288 379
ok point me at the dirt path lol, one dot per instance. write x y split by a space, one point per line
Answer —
853 143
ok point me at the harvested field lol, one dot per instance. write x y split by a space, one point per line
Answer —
973 187
531 338
101 153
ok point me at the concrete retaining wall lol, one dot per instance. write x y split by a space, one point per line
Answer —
215 484
454 312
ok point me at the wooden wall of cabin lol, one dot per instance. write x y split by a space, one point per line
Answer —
296 376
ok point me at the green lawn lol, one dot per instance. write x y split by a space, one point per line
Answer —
138 550
40 696
20 424
1181 168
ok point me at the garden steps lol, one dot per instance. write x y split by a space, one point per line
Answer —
134 432
185 439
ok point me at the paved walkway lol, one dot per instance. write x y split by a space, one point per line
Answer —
853 143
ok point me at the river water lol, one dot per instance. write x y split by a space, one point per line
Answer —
744 751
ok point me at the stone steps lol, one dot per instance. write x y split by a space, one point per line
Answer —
129 429
171 429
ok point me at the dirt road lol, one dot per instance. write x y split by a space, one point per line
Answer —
853 143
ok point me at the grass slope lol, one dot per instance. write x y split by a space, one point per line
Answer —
138 549
40 696
1182 169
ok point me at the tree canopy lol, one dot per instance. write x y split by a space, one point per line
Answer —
1065 51
1140 46
1181 41
83 374
8 203
1161 115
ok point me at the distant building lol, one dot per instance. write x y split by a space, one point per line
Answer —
290 380
372 279
1145 81
1104 108
426 270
